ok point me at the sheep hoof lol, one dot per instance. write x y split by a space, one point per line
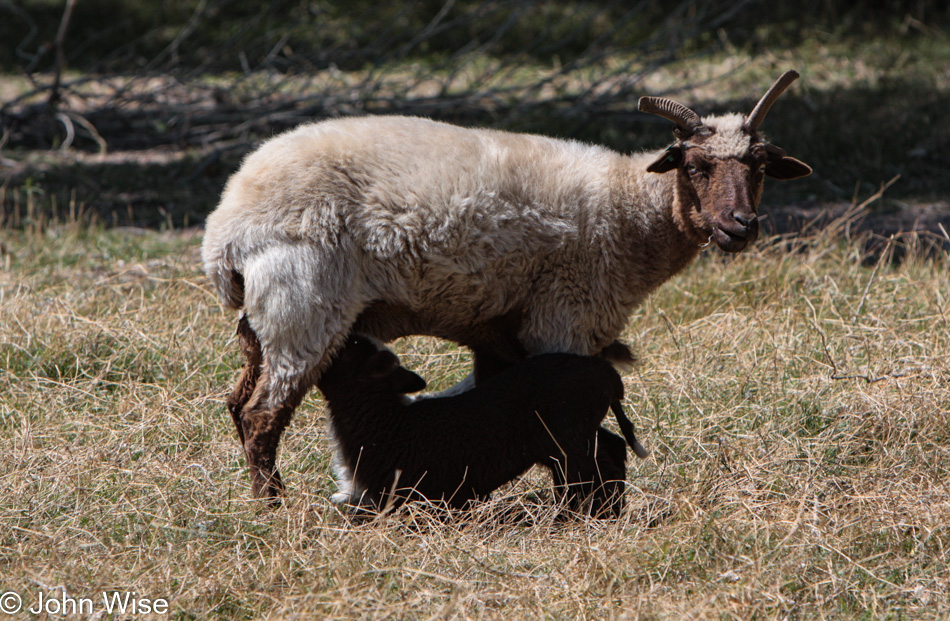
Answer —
640 452
352 505
340 498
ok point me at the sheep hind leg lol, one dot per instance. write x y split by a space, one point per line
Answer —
301 301
263 423
574 476
591 480
259 427
250 374
279 390
607 500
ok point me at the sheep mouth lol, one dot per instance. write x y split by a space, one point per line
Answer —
734 241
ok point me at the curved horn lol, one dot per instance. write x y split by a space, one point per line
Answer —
757 115
687 121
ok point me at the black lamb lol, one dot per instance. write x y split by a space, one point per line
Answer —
545 410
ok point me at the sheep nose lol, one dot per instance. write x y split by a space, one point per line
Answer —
744 219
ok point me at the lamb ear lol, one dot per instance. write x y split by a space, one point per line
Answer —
405 381
668 160
786 168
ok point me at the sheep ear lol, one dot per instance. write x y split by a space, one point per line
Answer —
405 381
668 160
786 168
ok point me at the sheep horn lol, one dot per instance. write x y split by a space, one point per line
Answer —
687 121
757 115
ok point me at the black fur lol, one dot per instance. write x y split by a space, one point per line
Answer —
545 410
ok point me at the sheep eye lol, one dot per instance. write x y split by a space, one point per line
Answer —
691 169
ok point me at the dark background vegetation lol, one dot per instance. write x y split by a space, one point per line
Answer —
123 35
177 91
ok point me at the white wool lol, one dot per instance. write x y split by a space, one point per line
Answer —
463 224
728 139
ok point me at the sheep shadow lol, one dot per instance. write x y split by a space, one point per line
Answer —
510 508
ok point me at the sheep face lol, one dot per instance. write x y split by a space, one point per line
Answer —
364 362
721 163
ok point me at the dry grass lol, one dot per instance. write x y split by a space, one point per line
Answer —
795 398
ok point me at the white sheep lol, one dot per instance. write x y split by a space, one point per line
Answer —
510 244
545 410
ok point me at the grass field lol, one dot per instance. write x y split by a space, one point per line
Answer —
795 398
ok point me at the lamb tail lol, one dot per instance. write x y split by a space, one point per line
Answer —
626 428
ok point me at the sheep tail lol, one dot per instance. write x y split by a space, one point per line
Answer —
233 289
227 279
626 428
619 355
